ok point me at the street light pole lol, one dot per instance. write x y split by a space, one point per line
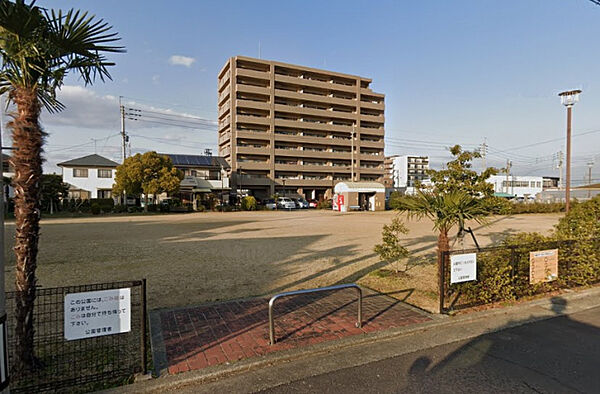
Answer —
568 99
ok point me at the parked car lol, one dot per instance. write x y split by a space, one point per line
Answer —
269 204
312 203
285 203
300 202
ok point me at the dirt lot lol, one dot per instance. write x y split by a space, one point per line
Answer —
195 258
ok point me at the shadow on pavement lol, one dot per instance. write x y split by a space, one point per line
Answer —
555 355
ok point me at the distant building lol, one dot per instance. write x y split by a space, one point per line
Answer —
289 127
203 175
517 186
405 171
550 182
89 176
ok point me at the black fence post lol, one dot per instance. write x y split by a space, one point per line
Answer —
144 335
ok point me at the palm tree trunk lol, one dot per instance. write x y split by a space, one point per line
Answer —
28 138
443 246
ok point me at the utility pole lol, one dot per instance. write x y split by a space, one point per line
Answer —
124 140
483 150
123 134
560 168
508 165
590 165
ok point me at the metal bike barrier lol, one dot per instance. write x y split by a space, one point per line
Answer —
319 289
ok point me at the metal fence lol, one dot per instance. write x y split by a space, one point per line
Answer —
503 272
84 364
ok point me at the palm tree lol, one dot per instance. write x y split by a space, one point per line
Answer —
39 48
446 210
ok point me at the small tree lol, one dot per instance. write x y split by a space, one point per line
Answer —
390 249
53 189
459 175
248 203
148 173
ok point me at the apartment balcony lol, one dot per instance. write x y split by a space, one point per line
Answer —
252 119
250 150
297 153
289 182
252 104
244 72
325 169
303 139
313 83
224 82
260 135
312 126
224 109
315 97
373 118
372 144
322 113
225 151
370 105
253 89
370 157
224 138
371 131
253 165
224 123
224 95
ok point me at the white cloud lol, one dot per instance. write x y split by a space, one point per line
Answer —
156 79
178 60
85 109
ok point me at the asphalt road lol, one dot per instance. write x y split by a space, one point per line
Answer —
558 355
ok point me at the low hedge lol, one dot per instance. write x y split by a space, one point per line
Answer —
503 272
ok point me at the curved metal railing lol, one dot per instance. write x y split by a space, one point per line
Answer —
319 289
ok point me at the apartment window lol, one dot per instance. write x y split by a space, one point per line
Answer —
103 173
80 173
104 194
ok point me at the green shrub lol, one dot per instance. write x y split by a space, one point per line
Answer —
391 249
152 208
325 204
538 207
119 208
394 200
503 273
95 208
200 208
498 206
248 203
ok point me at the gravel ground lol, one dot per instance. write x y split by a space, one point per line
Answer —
195 258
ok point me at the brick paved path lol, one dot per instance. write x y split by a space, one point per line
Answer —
197 337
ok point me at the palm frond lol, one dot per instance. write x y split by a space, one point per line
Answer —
39 48
446 210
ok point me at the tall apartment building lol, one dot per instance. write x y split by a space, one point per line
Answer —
288 127
405 170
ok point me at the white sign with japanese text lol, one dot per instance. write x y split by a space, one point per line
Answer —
95 313
463 267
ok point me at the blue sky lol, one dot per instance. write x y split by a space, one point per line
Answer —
452 72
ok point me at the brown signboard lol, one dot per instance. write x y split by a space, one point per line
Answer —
543 266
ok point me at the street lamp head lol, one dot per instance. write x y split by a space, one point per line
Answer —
569 98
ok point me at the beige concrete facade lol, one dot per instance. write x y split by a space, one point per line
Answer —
284 126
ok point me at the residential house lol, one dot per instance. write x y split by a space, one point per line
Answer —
89 176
